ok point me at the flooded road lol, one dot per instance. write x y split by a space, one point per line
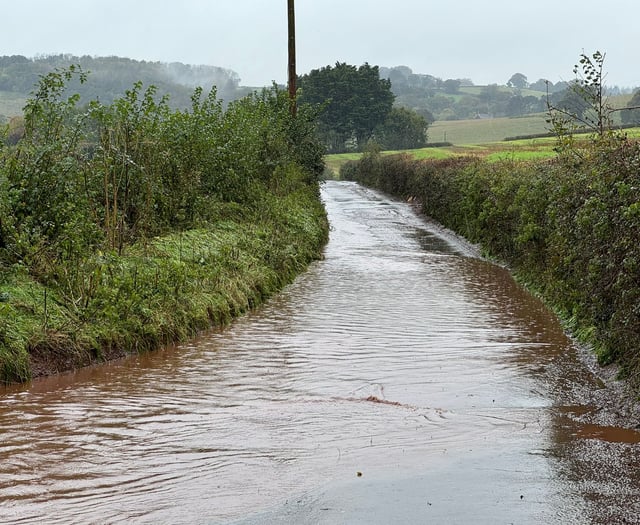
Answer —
400 380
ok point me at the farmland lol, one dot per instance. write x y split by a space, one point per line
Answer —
478 131
479 137
523 149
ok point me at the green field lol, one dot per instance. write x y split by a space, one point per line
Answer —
480 140
525 149
479 131
477 90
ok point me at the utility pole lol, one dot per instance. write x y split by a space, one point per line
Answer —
292 58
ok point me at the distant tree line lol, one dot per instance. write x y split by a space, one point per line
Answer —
458 99
392 106
112 76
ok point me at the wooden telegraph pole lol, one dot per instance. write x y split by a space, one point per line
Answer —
292 58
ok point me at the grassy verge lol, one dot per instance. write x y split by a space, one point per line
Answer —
159 291
129 225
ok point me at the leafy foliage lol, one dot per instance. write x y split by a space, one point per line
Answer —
87 194
402 129
354 105
585 105
518 81
631 114
568 226
354 100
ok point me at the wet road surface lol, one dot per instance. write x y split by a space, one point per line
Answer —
400 380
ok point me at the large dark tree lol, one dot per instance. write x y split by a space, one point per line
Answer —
403 129
356 101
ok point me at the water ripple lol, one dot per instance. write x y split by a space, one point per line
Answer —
395 351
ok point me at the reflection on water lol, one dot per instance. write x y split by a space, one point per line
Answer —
398 356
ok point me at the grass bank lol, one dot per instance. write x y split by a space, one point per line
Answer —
127 226
568 226
157 292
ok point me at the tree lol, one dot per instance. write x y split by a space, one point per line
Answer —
15 130
403 129
631 114
519 105
543 85
570 101
518 81
355 102
399 77
516 106
451 86
467 107
489 93
585 103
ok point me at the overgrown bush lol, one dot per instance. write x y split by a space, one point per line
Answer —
87 194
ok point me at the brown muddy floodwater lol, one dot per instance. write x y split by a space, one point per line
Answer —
400 380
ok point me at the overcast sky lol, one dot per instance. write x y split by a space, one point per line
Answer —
486 41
